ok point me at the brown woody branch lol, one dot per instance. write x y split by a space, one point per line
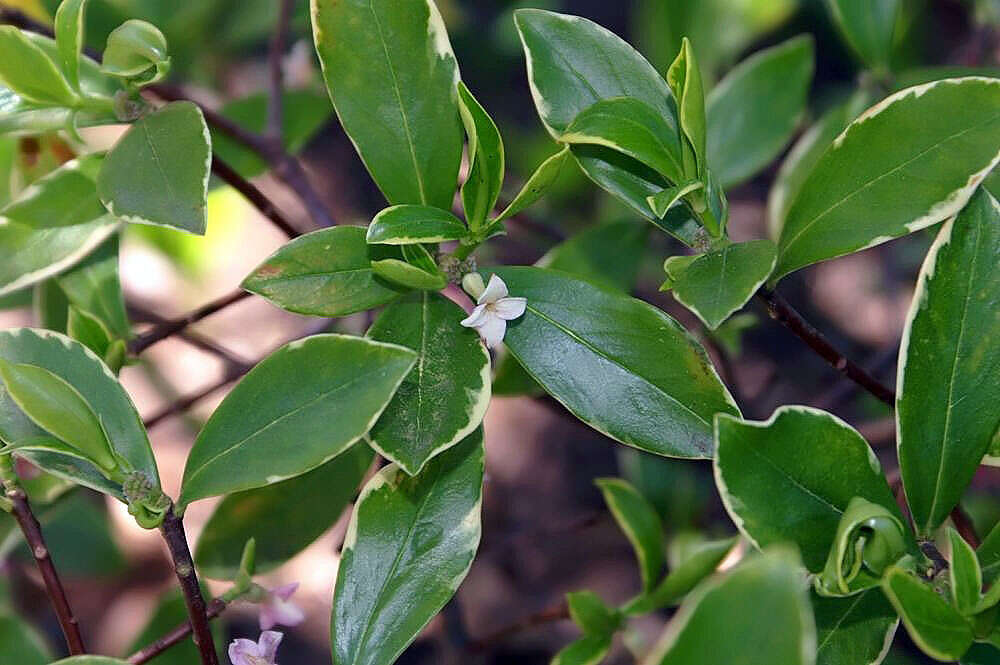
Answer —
557 612
173 533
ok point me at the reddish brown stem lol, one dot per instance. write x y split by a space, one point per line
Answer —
53 585
551 614
161 331
173 533
781 311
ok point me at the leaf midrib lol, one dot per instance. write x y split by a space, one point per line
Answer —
572 335
888 173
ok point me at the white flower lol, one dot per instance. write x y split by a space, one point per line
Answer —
493 310
277 608
262 652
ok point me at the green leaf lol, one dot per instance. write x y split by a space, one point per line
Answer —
701 563
136 51
446 395
543 177
27 70
305 114
486 157
392 76
412 224
93 82
417 271
324 273
613 360
856 630
867 27
20 643
804 155
723 621
754 110
634 128
588 650
719 282
409 545
943 136
777 489
276 422
640 523
661 203
981 654
937 628
157 172
53 225
988 554
90 331
573 63
94 287
946 408
92 381
55 406
684 79
609 254
868 540
592 614
965 575
69 28
275 518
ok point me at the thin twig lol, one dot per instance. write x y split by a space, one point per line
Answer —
170 327
551 614
275 106
173 533
175 636
784 313
252 193
53 585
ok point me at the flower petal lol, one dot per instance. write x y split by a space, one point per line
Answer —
241 651
477 317
268 644
495 290
287 613
510 308
492 331
285 591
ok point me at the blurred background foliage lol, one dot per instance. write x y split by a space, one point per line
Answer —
545 532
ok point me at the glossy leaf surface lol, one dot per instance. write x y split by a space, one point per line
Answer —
573 63
633 127
30 72
539 181
53 225
444 398
392 76
486 155
157 172
855 630
324 273
947 412
778 489
626 360
912 160
94 287
410 544
20 643
684 577
754 110
411 224
69 29
277 422
721 622
934 625
719 282
275 516
90 378
965 575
